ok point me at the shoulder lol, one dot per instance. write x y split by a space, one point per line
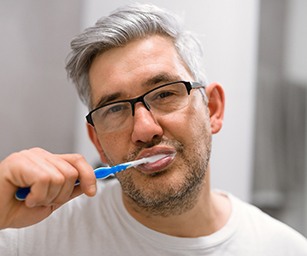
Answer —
267 231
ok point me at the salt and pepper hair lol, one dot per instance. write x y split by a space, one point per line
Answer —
123 26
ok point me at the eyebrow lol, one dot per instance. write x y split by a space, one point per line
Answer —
108 98
161 78
155 80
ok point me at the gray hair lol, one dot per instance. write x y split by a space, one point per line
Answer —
121 27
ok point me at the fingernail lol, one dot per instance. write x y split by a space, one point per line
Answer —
92 190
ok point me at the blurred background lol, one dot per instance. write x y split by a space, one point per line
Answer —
255 48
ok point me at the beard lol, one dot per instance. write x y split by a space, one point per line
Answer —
164 194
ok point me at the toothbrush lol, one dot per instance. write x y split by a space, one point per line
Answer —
101 172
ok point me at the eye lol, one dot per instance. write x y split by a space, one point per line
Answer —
114 110
164 94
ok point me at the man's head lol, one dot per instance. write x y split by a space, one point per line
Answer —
148 100
123 26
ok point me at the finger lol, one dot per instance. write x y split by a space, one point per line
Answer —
86 173
47 183
28 169
50 176
70 173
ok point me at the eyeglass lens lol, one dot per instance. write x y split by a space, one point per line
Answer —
161 101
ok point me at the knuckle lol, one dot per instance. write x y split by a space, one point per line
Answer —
47 177
37 150
74 175
14 157
44 178
79 158
58 180
69 172
18 156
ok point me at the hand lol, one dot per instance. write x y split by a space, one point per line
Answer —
51 178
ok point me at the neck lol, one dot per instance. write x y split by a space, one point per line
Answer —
209 214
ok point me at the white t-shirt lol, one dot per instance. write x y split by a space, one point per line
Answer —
102 226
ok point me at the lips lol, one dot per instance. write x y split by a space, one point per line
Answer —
159 165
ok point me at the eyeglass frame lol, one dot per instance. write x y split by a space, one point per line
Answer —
188 85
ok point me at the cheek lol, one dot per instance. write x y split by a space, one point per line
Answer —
188 124
199 114
196 131
114 146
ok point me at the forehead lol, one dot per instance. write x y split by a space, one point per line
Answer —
127 70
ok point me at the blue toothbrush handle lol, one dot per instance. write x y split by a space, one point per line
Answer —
22 193
100 173
104 172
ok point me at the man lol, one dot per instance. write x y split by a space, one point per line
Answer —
140 76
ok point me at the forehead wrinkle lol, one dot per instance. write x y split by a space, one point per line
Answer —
161 78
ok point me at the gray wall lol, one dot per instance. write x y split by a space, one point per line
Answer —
37 103
280 169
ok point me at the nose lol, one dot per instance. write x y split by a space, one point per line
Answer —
145 126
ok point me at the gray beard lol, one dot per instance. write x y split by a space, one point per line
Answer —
171 201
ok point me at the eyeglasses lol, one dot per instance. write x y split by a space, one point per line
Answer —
162 100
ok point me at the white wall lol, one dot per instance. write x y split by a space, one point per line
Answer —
37 104
229 33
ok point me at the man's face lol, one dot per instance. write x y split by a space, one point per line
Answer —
166 186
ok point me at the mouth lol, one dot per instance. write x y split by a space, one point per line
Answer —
159 165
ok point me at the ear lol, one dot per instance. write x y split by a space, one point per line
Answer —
216 105
94 138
